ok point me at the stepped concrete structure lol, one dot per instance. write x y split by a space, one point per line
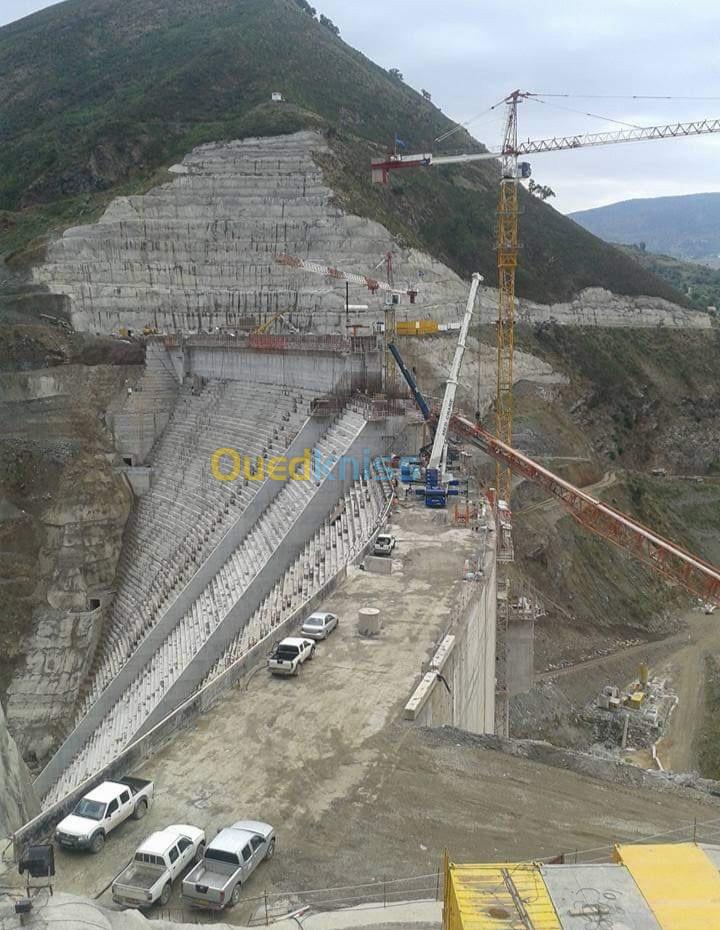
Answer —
142 415
210 566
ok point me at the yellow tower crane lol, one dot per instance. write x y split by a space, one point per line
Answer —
512 172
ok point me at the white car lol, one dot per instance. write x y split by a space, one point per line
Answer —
319 625
158 862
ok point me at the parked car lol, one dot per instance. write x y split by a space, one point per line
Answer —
319 625
229 860
289 654
101 810
384 544
158 861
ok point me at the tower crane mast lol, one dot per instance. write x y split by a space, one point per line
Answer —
512 171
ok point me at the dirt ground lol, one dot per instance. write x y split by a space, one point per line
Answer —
686 669
288 750
355 793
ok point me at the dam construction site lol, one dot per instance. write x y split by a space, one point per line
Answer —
360 512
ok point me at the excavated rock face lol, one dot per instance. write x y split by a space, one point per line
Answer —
597 307
17 798
63 508
199 252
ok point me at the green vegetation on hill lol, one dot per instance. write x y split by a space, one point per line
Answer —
700 284
96 96
685 227
708 743
645 397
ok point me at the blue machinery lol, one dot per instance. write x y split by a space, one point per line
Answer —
412 383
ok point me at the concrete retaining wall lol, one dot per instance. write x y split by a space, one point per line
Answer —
458 688
139 478
135 433
320 371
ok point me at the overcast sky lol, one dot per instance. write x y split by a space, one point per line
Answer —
470 54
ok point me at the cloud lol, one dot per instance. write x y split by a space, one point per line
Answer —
470 54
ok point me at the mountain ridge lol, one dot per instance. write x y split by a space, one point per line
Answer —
118 92
686 226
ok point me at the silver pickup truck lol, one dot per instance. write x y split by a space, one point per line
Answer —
230 859
157 863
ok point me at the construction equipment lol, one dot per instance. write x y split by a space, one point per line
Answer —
512 171
675 563
373 285
436 484
264 327
412 383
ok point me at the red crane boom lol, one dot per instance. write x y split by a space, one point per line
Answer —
675 563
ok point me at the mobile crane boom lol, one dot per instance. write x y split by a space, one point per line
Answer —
411 382
435 489
451 384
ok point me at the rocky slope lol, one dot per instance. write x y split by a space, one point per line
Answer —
18 802
199 252
63 507
117 94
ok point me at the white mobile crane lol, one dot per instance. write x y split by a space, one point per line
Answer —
436 481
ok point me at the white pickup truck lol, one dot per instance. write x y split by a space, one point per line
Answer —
289 654
157 863
229 861
101 810
384 544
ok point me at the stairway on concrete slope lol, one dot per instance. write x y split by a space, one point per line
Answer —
187 511
335 544
164 666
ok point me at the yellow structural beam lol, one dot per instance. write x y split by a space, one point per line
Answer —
679 882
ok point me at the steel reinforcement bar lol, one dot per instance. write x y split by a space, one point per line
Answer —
675 563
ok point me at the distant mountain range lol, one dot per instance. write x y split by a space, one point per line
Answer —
699 284
685 227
